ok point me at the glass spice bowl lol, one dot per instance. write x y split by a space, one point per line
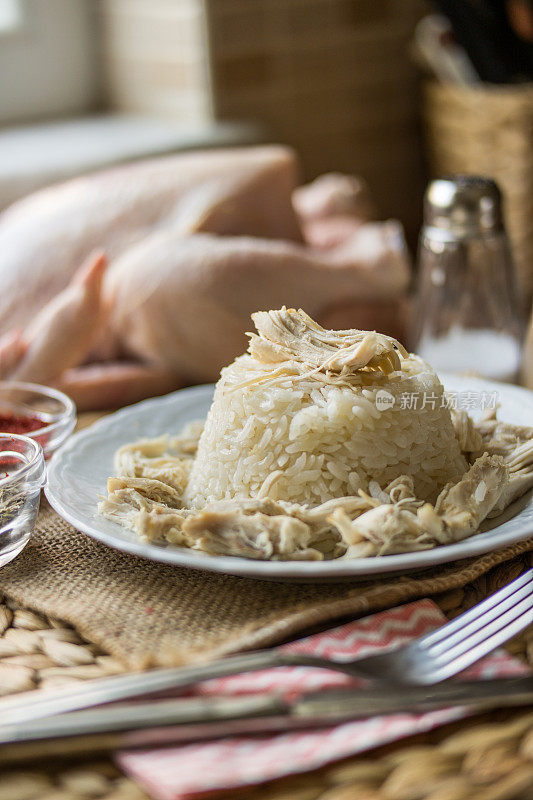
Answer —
22 476
40 412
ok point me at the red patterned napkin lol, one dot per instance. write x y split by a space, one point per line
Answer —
186 770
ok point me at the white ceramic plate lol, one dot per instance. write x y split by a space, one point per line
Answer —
78 472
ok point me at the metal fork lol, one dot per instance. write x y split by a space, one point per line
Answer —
428 660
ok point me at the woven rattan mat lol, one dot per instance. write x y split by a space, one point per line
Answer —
145 613
486 758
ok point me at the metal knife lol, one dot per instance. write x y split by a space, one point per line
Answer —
166 722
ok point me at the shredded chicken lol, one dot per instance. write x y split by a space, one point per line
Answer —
165 459
514 443
459 510
464 505
253 535
466 433
377 522
501 438
383 530
290 335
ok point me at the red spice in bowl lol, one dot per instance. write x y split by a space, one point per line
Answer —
22 424
15 423
44 414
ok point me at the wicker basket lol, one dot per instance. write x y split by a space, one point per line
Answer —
489 131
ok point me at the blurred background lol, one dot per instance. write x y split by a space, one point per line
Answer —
120 79
394 91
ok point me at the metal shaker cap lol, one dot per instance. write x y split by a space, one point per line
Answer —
463 206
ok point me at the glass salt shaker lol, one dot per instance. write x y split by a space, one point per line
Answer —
466 316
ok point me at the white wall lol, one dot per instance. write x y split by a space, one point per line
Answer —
48 64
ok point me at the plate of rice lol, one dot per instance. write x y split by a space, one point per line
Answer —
318 455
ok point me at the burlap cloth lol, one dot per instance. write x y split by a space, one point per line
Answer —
148 614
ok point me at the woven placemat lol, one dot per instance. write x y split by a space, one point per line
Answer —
486 758
149 614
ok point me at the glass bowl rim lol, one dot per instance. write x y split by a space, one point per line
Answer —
36 457
47 391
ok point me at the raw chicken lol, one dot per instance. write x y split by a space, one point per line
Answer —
194 244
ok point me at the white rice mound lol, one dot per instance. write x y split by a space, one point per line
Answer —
304 440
